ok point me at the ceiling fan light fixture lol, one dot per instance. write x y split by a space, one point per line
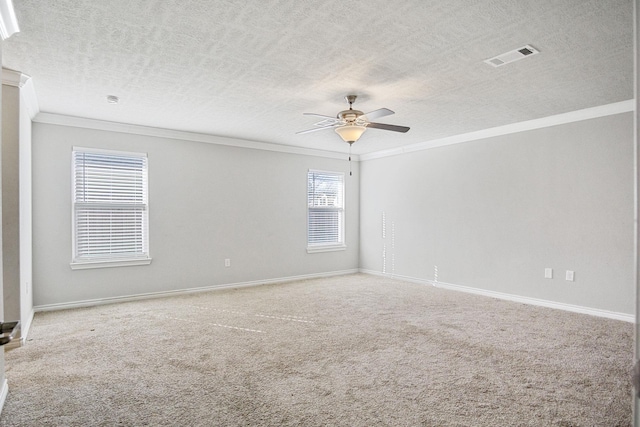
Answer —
350 133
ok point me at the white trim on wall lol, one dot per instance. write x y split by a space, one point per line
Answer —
103 301
3 394
25 327
13 78
80 122
559 119
509 297
27 90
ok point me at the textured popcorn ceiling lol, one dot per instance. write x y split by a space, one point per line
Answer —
249 69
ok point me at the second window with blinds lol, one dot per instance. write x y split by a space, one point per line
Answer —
325 200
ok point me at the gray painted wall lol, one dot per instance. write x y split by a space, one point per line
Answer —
490 214
207 202
493 214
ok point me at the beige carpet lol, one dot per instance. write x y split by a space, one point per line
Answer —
348 351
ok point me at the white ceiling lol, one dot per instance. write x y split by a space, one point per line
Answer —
249 69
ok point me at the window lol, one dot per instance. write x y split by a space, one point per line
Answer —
325 197
110 211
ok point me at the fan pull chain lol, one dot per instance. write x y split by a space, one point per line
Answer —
350 144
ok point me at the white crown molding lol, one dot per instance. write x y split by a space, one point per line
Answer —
28 96
510 297
27 90
559 119
13 78
8 20
80 122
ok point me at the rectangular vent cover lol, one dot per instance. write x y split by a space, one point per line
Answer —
512 56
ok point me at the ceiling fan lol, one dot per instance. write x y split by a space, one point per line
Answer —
350 124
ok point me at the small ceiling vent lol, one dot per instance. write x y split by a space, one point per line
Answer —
512 56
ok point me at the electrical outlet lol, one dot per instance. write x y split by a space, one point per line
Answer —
227 262
548 273
569 276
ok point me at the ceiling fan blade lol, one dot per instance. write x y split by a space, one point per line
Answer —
379 113
328 120
385 126
315 129
319 115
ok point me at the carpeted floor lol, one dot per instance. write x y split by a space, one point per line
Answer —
354 350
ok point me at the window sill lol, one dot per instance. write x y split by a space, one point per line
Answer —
84 265
326 248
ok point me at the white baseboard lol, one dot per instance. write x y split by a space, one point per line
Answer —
112 300
26 326
493 294
510 297
3 394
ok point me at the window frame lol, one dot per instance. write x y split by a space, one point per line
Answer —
79 262
340 245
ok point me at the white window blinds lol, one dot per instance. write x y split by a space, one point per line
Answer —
325 197
110 212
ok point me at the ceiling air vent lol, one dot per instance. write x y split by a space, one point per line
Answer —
512 56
